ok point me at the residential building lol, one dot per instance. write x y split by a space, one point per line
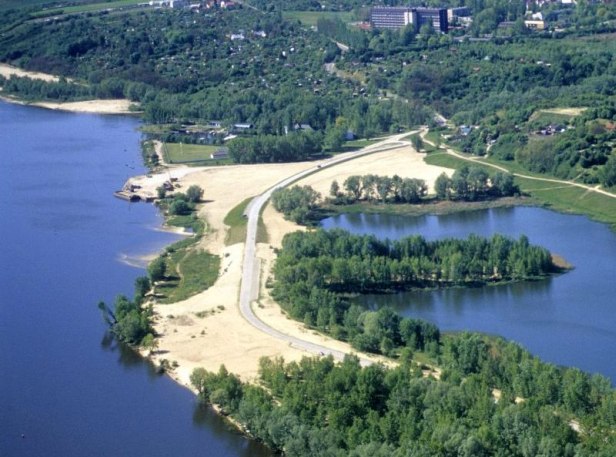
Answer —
396 17
535 25
435 16
453 14
391 17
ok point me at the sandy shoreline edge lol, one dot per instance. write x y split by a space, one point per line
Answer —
95 106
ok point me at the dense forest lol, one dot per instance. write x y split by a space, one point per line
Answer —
492 399
315 270
501 87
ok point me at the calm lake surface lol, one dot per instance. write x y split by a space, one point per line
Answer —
64 245
568 319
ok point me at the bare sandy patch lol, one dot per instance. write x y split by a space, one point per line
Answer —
116 106
8 70
404 162
565 111
207 329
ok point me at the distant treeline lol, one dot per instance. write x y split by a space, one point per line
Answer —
314 268
467 183
35 89
270 148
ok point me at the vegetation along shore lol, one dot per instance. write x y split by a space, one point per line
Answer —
471 106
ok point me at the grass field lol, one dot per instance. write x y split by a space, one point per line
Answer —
237 224
310 18
197 154
560 197
545 118
197 270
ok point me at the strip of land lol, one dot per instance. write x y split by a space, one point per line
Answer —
208 330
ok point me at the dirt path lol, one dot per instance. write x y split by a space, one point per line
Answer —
479 160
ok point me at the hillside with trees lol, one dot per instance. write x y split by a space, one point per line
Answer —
189 67
257 69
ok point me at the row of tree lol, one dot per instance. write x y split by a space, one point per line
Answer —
384 189
472 183
467 183
269 148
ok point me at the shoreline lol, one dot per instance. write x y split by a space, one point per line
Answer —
436 208
94 106
223 336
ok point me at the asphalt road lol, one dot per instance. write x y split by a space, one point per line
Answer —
249 290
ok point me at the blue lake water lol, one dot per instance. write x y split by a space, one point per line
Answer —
568 319
64 384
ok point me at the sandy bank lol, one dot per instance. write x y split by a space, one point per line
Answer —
8 70
115 106
207 330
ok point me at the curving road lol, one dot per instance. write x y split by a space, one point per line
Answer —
249 290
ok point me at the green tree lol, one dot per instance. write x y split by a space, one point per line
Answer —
353 186
608 174
142 287
194 194
179 207
442 186
297 203
157 269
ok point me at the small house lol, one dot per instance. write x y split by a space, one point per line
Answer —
465 130
302 127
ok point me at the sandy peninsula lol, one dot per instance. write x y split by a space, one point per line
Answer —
115 106
207 330
111 106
